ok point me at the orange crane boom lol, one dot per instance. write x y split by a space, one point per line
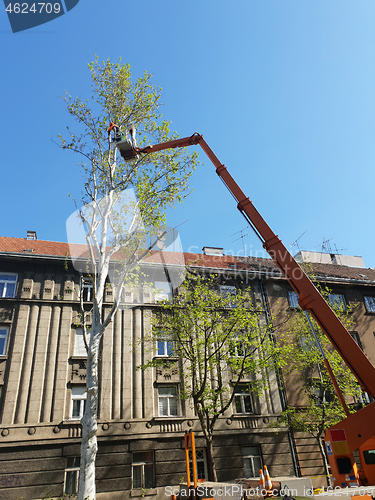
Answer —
358 427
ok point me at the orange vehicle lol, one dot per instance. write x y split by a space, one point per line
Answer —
357 431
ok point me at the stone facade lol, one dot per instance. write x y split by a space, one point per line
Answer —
42 379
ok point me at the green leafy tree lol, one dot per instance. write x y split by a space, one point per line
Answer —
220 341
298 355
118 224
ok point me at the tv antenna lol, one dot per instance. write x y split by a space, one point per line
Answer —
295 243
339 251
241 238
325 245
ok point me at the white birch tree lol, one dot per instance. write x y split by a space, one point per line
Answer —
114 224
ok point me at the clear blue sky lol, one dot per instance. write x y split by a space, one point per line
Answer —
282 90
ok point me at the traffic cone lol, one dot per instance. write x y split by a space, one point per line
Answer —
267 483
261 482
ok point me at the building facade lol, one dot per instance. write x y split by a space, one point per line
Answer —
142 419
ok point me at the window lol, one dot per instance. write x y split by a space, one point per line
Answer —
337 301
293 300
252 461
369 456
71 476
370 304
200 457
228 291
78 402
143 470
8 285
307 343
163 290
242 400
79 344
4 332
165 347
344 465
168 401
237 348
364 398
320 393
355 337
87 290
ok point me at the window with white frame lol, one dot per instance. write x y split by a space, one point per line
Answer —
164 347
143 470
236 347
252 461
163 290
4 333
87 290
168 401
337 300
71 476
364 398
79 344
370 304
293 299
8 284
242 399
200 457
78 403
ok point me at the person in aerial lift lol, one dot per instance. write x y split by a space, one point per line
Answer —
116 132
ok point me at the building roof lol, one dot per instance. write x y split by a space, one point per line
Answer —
250 264
41 247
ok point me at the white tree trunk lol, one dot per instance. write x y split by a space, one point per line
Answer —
89 444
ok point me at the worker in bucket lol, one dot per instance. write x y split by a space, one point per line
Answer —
116 132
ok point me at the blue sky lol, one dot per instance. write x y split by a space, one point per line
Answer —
282 90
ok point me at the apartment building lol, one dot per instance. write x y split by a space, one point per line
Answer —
142 419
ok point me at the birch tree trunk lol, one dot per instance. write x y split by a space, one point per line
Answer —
89 446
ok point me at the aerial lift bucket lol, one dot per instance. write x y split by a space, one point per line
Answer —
126 149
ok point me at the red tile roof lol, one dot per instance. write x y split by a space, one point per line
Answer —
40 247
251 264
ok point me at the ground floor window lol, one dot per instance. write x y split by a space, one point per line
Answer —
200 455
71 476
143 470
252 461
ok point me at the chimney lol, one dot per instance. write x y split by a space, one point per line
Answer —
31 235
213 251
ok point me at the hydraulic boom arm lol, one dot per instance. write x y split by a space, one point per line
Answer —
309 297
357 430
